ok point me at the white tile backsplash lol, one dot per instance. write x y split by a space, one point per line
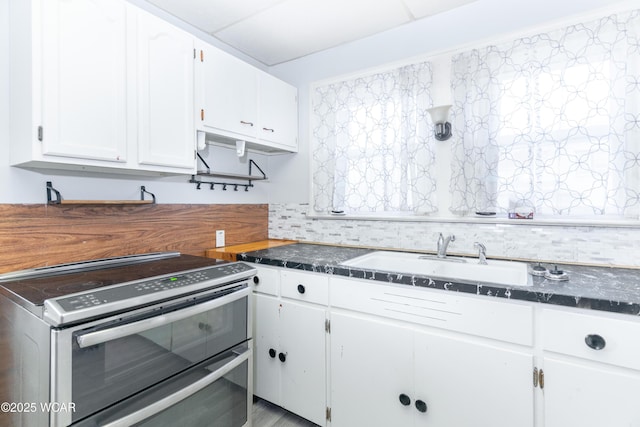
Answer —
599 245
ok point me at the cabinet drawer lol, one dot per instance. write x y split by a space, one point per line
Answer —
481 316
266 281
601 338
310 287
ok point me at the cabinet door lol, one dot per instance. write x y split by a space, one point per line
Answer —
302 342
466 383
278 112
371 367
230 90
266 320
84 79
166 131
577 394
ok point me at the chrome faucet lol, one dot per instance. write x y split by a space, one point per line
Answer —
482 252
443 244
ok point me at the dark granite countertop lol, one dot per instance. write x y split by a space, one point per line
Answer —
598 288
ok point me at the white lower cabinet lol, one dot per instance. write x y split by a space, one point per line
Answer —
403 356
584 394
371 367
289 352
591 366
385 373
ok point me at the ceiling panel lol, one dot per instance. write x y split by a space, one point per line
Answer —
275 31
295 28
213 15
423 8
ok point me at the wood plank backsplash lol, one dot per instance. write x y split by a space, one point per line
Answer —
40 235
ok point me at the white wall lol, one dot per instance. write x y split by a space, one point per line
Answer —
473 25
28 186
482 20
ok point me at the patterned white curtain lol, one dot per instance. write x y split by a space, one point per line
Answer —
372 148
551 122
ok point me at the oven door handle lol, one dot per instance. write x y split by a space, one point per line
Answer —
99 337
182 394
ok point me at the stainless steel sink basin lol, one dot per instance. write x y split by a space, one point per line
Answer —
450 268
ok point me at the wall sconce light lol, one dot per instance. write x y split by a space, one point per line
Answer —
439 117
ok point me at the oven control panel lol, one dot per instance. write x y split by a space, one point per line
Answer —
139 291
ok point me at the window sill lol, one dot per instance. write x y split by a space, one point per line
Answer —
503 220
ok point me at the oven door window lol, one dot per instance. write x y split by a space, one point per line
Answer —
111 364
213 393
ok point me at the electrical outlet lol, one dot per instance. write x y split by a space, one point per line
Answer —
219 238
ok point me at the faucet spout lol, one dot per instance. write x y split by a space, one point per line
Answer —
482 252
443 244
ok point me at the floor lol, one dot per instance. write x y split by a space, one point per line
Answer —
266 414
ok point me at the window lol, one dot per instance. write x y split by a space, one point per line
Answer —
551 122
372 148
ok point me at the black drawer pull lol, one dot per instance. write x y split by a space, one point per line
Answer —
272 353
256 279
301 289
595 341
404 399
282 357
421 406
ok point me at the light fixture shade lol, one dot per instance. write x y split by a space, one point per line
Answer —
440 118
439 114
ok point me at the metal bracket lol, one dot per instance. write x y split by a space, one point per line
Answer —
58 198
144 191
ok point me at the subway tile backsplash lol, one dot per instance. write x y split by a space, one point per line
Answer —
596 245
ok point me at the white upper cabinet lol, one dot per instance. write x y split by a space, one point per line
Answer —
166 131
228 90
100 85
278 113
236 101
84 71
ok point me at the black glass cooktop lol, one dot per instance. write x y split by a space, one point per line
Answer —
55 281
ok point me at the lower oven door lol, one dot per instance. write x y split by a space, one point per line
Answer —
97 365
213 394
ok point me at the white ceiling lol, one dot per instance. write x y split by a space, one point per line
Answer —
276 31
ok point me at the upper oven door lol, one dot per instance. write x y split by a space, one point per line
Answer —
97 365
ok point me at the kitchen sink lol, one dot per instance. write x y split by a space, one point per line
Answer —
449 268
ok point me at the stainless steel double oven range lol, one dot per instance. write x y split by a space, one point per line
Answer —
159 339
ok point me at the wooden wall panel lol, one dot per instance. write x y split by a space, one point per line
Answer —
39 235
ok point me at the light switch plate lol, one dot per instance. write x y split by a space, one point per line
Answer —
219 238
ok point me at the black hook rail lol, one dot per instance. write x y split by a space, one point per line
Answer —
212 184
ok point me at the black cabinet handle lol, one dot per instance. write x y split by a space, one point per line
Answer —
595 341
404 399
301 289
272 353
256 279
421 406
204 327
282 357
